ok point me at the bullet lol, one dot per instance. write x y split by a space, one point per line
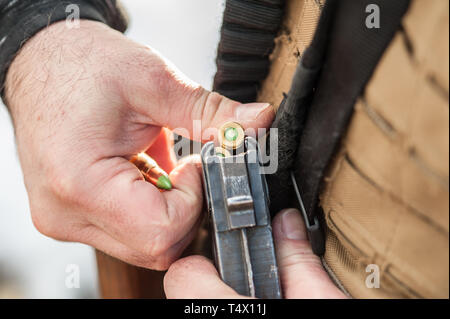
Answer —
221 152
231 135
151 171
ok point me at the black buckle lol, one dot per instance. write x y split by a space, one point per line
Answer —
315 235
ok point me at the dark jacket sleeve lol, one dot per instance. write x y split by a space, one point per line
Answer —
21 19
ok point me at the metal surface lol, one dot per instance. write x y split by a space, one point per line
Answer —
234 140
237 200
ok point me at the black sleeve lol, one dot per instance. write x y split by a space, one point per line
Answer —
21 19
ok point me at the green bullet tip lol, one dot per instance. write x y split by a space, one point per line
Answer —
231 134
164 183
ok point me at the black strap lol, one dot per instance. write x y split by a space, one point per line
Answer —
353 52
247 38
292 112
351 55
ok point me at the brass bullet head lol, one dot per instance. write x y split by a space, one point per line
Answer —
231 135
151 172
144 162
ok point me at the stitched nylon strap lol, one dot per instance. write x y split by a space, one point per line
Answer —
247 34
351 55
293 109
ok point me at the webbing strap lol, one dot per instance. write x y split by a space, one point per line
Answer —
247 38
353 52
351 55
293 110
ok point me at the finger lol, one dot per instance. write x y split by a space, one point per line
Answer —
169 99
196 277
194 160
138 215
301 271
96 237
187 193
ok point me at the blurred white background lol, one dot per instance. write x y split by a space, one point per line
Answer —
33 266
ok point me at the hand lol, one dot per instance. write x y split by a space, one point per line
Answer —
301 272
82 102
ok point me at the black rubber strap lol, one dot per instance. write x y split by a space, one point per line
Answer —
242 41
247 38
259 15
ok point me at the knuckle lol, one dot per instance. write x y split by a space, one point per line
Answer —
207 110
150 262
156 248
142 260
194 205
42 223
162 264
65 186
214 100
188 210
158 253
300 254
55 224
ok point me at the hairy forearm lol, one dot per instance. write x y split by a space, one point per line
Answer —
55 57
21 20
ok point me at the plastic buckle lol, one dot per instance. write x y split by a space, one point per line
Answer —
315 235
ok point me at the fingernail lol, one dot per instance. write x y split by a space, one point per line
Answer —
292 225
250 111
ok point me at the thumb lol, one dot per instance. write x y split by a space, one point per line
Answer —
301 271
169 99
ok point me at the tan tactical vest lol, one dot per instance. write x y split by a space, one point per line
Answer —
386 195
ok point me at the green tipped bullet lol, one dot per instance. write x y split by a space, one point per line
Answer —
221 152
231 135
151 171
163 182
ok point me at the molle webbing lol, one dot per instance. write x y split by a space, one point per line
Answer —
247 38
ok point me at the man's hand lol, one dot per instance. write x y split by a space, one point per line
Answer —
302 275
83 101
